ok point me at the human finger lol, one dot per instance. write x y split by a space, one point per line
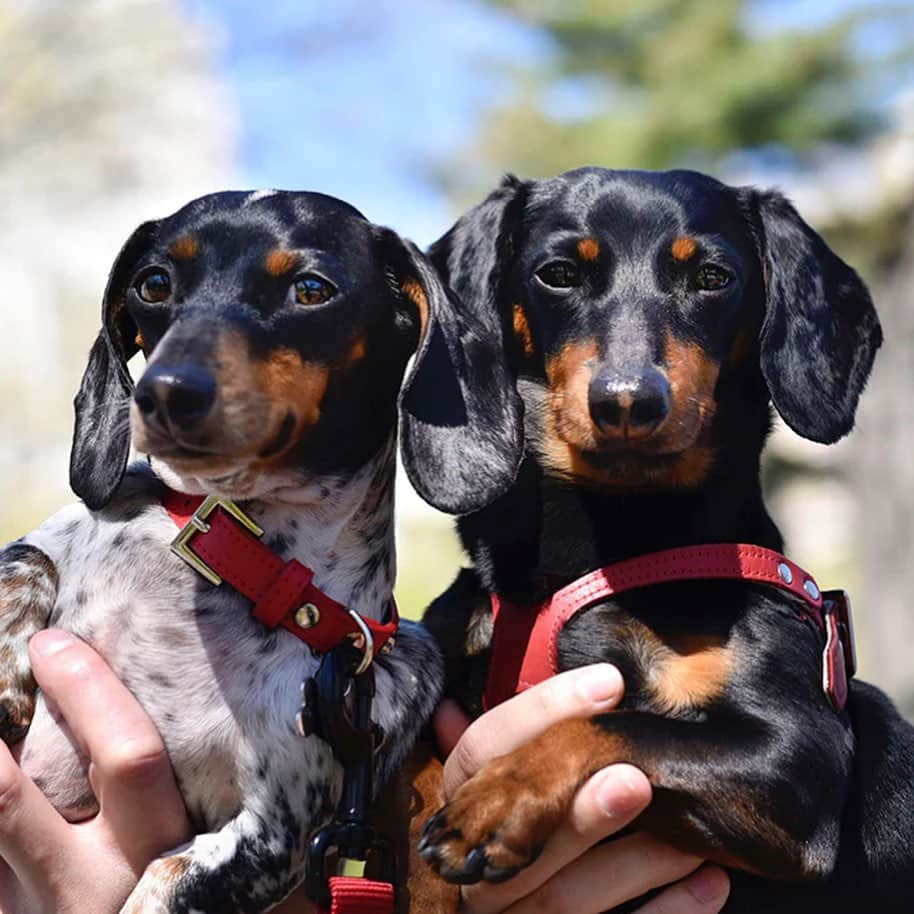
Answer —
703 892
580 692
129 768
33 836
450 724
609 875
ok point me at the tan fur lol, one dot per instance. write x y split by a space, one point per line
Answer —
401 811
568 374
279 262
157 884
185 248
589 249
690 674
412 289
522 329
684 249
675 456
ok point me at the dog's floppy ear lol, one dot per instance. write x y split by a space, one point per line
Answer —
820 332
461 417
101 439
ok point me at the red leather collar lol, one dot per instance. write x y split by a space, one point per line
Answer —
525 639
282 591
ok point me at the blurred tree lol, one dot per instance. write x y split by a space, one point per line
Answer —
109 114
662 83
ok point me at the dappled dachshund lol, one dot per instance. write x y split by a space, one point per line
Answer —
651 319
276 328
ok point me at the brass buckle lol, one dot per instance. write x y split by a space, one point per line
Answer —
197 524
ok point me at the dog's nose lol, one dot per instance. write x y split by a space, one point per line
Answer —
180 397
629 406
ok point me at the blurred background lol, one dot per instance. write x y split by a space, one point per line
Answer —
116 111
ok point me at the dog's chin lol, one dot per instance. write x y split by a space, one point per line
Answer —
197 468
631 467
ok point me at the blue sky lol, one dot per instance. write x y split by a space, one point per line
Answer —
360 98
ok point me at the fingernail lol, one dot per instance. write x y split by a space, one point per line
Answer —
601 683
621 793
51 641
708 884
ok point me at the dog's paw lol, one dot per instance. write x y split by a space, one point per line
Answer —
156 891
17 705
495 826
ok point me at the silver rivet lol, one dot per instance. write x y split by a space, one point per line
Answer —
785 573
811 589
307 616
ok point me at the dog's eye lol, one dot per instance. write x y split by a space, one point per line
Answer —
311 289
559 274
154 286
710 278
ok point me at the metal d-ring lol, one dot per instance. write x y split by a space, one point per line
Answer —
367 645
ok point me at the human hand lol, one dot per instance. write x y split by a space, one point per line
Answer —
574 873
50 866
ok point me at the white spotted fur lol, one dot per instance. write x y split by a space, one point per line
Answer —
223 690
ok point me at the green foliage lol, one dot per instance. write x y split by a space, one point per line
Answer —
672 82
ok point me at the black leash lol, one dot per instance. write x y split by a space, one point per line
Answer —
337 708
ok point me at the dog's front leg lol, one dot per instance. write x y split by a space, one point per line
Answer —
248 866
729 788
28 592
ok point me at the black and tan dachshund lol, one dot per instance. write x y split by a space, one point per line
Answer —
651 320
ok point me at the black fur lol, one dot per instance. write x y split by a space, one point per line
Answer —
440 400
821 332
461 416
795 326
101 438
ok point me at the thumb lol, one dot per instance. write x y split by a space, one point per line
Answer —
450 723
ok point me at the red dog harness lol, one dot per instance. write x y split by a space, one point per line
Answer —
525 641
222 543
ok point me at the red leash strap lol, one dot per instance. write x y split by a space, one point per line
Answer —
352 895
525 640
282 592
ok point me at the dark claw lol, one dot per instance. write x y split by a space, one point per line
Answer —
475 863
439 820
429 852
458 877
496 874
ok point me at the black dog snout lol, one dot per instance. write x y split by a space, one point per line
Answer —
629 406
177 397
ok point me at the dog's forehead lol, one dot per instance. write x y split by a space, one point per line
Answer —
258 221
633 204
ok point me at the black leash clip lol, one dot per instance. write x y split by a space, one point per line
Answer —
337 708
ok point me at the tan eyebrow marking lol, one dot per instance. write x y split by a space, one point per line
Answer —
280 262
522 329
684 248
185 248
414 291
588 248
